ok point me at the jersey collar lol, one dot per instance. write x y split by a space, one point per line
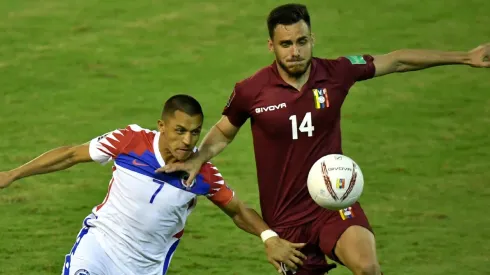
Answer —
156 149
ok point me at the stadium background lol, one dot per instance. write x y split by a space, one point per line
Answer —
71 70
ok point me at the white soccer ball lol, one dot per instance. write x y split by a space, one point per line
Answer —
335 182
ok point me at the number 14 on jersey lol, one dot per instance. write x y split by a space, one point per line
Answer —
306 125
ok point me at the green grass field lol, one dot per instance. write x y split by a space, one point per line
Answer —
72 70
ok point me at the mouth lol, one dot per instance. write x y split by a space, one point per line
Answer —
183 150
295 62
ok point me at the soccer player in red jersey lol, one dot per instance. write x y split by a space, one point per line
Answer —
294 106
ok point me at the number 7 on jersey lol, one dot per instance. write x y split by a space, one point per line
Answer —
306 125
158 190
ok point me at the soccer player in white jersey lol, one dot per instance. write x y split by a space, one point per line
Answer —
138 226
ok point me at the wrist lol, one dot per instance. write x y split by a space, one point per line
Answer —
466 58
267 234
15 174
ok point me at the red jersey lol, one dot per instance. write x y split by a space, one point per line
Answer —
291 130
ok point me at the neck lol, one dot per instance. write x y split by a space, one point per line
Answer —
296 81
166 155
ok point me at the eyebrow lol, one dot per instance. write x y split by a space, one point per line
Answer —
289 40
180 126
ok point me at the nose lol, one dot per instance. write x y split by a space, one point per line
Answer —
294 50
187 139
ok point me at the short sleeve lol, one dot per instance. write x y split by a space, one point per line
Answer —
355 68
219 192
107 147
236 108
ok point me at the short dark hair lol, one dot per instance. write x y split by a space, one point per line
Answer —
183 103
287 15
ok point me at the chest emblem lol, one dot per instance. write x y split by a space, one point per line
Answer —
321 98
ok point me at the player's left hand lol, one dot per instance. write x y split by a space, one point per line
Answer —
281 251
480 56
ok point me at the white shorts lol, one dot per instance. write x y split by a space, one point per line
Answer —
88 258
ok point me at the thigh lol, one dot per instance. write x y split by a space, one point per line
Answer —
332 229
356 249
86 257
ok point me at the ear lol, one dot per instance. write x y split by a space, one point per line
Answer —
161 126
270 45
313 39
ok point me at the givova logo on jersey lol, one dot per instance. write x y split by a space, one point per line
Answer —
270 108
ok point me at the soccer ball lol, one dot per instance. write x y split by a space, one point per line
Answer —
335 182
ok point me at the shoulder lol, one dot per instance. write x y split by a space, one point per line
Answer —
130 132
130 138
332 64
139 132
254 83
135 128
347 69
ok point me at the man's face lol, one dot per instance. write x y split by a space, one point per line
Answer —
181 133
293 47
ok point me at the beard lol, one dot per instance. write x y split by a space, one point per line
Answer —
296 73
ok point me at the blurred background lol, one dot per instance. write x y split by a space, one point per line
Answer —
72 70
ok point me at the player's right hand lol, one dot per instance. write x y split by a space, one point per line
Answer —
281 251
191 166
6 178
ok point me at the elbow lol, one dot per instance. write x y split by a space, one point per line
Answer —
228 137
68 155
227 130
72 156
405 61
239 221
239 217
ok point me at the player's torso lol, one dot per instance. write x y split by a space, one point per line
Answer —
151 205
290 115
291 130
143 212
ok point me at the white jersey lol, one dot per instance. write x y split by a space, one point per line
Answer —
141 220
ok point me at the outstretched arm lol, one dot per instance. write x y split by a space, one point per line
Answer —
220 135
54 160
101 149
412 60
278 250
244 217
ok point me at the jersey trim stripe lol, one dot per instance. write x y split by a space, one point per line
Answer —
66 266
169 256
106 197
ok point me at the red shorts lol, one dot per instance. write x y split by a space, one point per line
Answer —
321 236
